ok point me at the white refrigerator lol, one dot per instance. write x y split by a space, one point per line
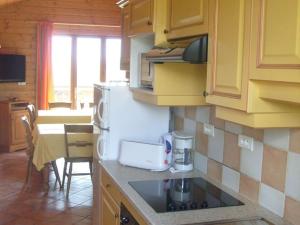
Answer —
117 116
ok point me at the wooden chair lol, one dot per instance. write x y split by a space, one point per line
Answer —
91 105
75 149
53 105
29 149
32 114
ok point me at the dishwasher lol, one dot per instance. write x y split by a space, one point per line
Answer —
126 218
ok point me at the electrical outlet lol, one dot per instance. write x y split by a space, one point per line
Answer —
21 83
246 142
209 129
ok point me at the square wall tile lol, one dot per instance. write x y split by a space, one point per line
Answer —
274 167
295 140
233 127
251 162
292 209
216 146
189 126
190 112
231 178
218 123
277 138
232 151
272 199
178 123
179 111
249 187
292 186
202 114
214 170
257 134
200 162
201 140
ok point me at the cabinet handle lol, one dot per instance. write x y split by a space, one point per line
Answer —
149 23
166 31
107 185
205 94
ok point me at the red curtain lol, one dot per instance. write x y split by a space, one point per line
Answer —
44 67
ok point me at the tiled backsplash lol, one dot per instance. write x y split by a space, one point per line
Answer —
269 175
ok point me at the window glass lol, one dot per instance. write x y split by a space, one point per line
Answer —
61 67
113 56
88 68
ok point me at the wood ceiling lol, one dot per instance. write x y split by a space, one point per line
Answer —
7 2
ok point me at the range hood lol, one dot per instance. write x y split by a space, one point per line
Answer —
195 52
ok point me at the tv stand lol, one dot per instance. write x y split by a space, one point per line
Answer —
12 132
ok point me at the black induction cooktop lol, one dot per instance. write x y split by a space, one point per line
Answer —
182 194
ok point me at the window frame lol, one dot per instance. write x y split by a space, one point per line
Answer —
102 75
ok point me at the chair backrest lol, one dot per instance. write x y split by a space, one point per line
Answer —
32 114
53 105
75 142
90 104
28 131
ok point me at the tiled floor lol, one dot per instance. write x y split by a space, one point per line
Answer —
34 206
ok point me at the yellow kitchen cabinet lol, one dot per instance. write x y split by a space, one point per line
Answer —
175 84
148 17
141 17
186 18
228 29
275 49
110 202
125 46
251 62
110 210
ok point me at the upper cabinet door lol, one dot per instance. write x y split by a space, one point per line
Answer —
125 51
275 40
141 16
228 28
187 18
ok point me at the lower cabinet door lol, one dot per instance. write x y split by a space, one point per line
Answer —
110 210
18 133
96 193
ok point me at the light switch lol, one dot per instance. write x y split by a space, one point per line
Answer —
209 129
246 142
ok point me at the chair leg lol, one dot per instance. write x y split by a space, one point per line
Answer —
29 172
69 179
54 165
91 170
64 174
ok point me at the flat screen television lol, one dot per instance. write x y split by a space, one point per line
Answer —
12 68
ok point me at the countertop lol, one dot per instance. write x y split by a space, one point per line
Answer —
122 175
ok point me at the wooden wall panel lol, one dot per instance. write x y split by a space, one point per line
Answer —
18 26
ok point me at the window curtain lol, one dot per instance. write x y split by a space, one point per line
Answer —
44 67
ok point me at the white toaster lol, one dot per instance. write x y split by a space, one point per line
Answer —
150 156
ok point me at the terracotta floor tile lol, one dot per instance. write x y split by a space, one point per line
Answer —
81 210
5 218
23 221
33 206
85 221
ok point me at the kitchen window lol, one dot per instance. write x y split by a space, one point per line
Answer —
78 63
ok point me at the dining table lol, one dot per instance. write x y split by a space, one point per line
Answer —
64 116
49 144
